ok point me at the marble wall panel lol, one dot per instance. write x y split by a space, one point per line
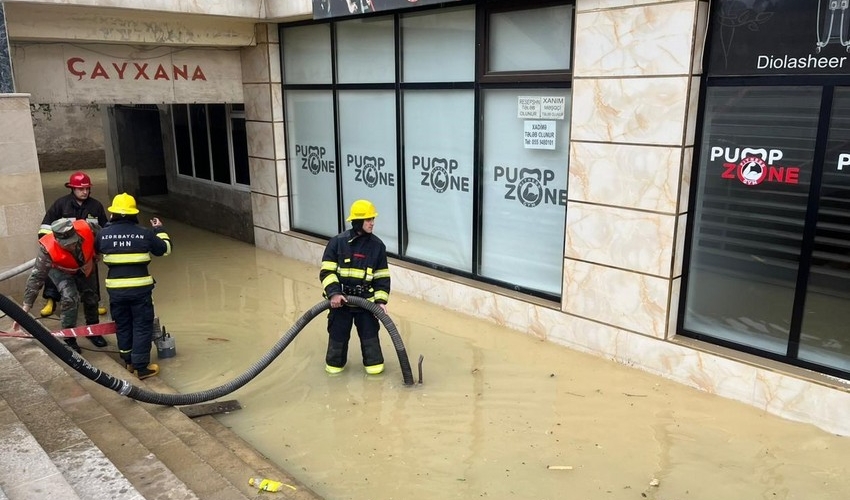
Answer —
266 210
700 33
626 239
257 102
229 8
255 64
263 176
623 299
276 102
283 210
693 112
672 316
685 187
800 400
642 177
261 139
641 41
630 110
679 244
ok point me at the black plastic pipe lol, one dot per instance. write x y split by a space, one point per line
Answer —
125 388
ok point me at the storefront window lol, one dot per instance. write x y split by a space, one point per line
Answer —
825 339
524 191
439 135
312 160
307 54
439 47
768 261
755 167
367 138
517 37
366 50
467 169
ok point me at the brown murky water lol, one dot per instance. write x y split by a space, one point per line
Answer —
495 410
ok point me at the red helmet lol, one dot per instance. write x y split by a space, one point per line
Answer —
78 180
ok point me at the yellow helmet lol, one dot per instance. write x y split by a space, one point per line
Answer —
362 209
123 204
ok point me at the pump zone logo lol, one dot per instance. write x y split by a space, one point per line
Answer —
313 159
368 170
530 186
439 174
752 166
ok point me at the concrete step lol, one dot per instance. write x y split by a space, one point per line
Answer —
204 456
49 456
131 472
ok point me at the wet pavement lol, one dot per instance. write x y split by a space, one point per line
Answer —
500 415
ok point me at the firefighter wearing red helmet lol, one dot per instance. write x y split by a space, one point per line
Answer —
76 205
79 180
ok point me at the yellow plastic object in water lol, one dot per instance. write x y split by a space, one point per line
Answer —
267 484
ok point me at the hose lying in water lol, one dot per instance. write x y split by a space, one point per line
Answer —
125 388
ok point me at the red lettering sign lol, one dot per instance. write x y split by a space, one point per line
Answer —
92 70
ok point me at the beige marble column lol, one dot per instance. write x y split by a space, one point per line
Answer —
264 124
635 92
21 199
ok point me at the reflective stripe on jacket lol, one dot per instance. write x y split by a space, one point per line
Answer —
127 248
356 264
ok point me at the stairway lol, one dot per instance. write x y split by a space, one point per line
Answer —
64 436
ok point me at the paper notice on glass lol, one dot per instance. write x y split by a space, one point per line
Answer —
528 107
553 107
539 134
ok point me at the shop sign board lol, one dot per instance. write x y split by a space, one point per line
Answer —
324 9
85 73
791 37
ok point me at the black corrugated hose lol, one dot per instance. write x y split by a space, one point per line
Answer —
125 388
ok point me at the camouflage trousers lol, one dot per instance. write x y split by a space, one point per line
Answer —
73 289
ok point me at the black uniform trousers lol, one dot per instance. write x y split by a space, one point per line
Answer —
132 311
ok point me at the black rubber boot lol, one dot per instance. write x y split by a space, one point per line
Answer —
336 357
72 344
373 358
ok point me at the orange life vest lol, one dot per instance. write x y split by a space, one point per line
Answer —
64 260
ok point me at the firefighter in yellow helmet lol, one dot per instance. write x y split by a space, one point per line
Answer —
355 263
127 248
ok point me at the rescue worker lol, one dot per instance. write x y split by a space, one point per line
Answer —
127 248
66 257
78 204
355 263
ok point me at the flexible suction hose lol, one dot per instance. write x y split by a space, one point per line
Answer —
125 388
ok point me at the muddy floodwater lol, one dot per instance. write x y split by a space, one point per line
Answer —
500 415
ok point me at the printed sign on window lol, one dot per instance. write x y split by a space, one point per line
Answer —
539 134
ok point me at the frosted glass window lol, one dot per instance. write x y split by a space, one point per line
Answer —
524 195
439 168
439 47
531 40
307 54
367 135
312 163
365 51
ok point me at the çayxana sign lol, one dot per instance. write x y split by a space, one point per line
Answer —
779 37
323 9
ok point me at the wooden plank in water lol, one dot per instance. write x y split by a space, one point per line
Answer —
215 407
